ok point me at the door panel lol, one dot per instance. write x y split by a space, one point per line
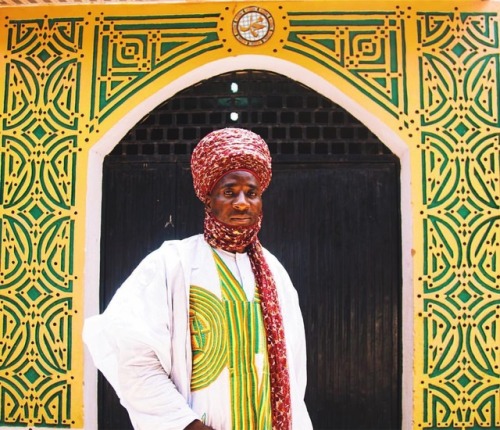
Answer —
189 220
137 201
335 227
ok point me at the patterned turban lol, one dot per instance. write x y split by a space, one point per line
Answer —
226 150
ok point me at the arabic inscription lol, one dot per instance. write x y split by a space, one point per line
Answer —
253 26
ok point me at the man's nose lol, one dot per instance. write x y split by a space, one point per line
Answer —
241 202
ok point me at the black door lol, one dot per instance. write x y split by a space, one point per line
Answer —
331 215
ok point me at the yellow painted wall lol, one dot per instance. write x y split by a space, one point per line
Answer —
428 70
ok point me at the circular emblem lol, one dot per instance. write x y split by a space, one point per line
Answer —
253 26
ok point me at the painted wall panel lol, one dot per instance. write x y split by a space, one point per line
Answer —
428 71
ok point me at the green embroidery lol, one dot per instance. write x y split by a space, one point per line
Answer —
208 339
250 386
230 332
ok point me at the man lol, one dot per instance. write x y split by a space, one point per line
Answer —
207 332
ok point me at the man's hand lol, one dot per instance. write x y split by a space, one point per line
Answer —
198 425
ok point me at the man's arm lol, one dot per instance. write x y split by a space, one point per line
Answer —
145 389
131 344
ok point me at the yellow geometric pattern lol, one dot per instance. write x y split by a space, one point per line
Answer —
152 46
39 156
429 70
460 152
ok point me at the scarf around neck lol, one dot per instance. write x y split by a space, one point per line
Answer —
229 238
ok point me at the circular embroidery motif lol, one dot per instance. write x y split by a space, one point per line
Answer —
253 26
208 337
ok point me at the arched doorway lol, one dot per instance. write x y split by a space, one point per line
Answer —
331 216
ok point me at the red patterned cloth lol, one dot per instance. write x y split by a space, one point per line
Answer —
217 154
226 150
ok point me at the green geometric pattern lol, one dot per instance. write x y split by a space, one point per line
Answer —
38 159
131 52
460 153
364 48
63 77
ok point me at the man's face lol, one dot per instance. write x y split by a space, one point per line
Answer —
236 199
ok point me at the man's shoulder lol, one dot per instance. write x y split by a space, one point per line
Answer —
181 251
180 244
172 257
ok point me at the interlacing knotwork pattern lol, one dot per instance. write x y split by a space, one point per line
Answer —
38 156
460 153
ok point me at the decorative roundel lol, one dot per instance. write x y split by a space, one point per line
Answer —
253 26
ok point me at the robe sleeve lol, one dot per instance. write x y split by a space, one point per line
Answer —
131 344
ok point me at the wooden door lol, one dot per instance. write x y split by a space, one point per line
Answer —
336 229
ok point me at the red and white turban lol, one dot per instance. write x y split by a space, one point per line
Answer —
226 150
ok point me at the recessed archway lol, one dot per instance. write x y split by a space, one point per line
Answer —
299 74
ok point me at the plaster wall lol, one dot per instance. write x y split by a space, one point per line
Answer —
423 76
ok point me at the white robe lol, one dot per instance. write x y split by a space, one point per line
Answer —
142 344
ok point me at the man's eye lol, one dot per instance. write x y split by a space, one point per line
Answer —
228 193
